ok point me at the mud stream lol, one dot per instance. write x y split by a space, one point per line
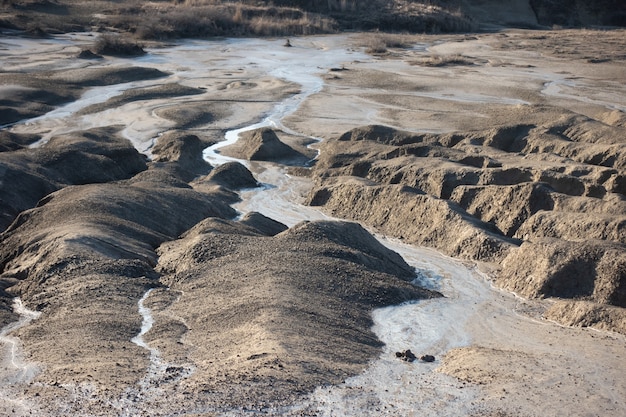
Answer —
426 327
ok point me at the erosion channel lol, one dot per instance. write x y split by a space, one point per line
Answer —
175 222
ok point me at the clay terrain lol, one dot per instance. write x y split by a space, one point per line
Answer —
234 226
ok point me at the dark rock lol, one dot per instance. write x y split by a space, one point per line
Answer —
427 358
87 54
406 355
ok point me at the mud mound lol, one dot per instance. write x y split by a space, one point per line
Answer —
27 97
10 141
97 155
159 175
263 224
588 314
574 227
508 207
141 94
351 235
378 133
190 115
90 77
296 306
233 175
114 221
614 118
20 190
185 150
589 270
83 258
88 318
263 145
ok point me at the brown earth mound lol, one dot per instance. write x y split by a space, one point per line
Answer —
414 216
264 145
283 315
263 224
191 115
83 257
588 314
184 150
10 141
233 175
139 94
590 270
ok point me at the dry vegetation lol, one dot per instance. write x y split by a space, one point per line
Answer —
112 44
380 43
443 61
207 18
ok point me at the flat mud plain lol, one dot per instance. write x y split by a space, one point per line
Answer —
503 150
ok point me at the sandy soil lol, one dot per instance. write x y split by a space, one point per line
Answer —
246 320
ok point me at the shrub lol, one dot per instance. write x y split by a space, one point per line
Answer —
443 61
379 43
113 44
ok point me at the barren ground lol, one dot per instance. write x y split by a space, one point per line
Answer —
506 150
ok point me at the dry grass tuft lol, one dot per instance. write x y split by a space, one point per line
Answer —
113 44
379 43
198 18
208 18
443 61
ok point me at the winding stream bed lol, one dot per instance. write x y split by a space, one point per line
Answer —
427 327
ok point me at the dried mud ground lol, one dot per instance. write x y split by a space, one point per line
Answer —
505 149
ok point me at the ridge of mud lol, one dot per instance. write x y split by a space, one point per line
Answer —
83 257
96 155
140 94
554 187
28 95
263 144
